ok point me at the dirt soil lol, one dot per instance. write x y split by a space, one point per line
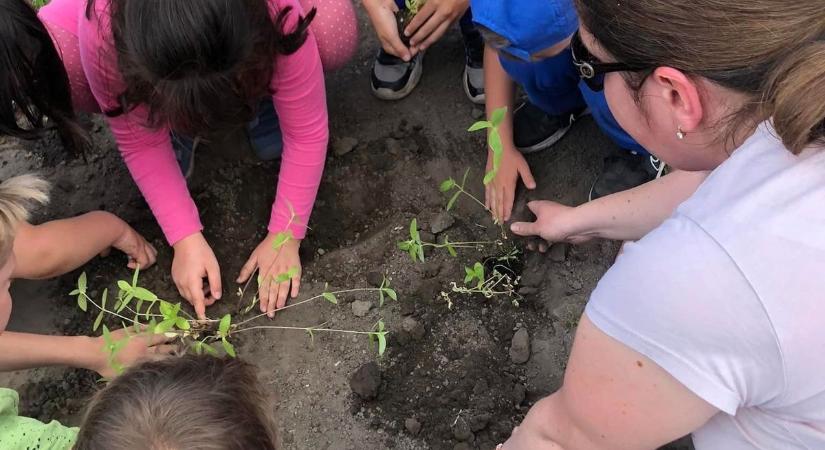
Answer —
448 379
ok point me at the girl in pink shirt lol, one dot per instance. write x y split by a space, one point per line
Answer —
202 69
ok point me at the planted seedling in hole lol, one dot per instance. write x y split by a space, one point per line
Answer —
415 246
497 276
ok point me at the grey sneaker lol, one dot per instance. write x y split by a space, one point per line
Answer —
473 79
394 79
534 130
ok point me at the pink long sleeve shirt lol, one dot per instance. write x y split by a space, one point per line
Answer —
300 101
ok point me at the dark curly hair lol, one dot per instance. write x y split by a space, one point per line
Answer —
200 67
34 84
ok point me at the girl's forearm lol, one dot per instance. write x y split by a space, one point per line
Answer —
60 246
631 214
19 351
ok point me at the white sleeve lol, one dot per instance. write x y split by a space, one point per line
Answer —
677 298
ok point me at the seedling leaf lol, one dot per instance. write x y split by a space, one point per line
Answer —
391 293
480 125
281 239
124 286
135 276
330 297
452 201
223 327
81 301
98 320
182 324
143 294
382 343
498 116
228 347
447 185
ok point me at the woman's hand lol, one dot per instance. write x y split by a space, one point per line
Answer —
140 252
501 192
554 223
382 16
140 347
194 260
279 272
433 20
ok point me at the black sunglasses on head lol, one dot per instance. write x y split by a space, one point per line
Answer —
591 70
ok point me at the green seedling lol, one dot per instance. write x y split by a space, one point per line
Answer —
413 6
493 139
147 313
415 246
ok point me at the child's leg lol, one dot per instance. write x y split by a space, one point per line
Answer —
597 103
265 132
336 31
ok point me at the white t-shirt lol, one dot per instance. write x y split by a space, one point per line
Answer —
728 296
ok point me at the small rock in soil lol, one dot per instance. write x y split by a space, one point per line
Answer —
520 346
558 252
461 431
375 278
344 145
527 290
393 146
361 308
366 381
413 328
413 426
431 269
476 113
442 222
408 306
575 285
519 394
479 422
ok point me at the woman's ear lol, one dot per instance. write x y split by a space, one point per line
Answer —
681 95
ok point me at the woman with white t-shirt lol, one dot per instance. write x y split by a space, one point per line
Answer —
714 322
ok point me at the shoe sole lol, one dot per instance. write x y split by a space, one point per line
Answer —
390 95
478 99
547 143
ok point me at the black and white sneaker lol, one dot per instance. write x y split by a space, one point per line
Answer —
534 130
474 69
625 170
393 78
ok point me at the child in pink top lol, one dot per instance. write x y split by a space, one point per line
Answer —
217 51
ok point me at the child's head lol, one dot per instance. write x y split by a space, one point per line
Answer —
17 196
200 67
34 84
186 403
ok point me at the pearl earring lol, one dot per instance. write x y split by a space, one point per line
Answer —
680 134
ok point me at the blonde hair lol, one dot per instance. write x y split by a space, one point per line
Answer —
773 51
180 403
18 196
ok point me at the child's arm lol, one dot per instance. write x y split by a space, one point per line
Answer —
20 351
60 246
500 91
627 215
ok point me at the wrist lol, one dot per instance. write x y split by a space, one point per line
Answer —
187 241
87 353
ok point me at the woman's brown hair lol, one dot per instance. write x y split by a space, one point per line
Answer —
186 403
771 50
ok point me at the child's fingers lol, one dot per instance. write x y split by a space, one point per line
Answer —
420 19
296 286
248 269
197 298
283 293
213 275
507 207
272 300
435 35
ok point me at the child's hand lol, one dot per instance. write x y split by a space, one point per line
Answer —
501 192
382 15
140 252
194 260
433 20
140 347
554 223
271 263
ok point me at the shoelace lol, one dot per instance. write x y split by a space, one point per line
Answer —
659 165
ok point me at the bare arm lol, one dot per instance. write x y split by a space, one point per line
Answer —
60 246
627 215
613 398
20 351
